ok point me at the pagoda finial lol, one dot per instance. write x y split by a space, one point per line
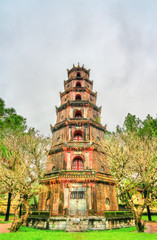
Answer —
78 65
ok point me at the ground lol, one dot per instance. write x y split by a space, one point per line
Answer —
26 233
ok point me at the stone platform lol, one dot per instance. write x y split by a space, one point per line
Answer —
80 224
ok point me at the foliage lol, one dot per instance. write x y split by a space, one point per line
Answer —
9 120
145 128
22 163
133 163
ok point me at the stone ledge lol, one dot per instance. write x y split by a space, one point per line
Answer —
79 224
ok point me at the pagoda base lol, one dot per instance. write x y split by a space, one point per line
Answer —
82 224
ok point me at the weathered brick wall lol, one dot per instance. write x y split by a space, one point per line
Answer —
55 160
106 198
96 134
86 155
73 74
59 136
88 112
99 161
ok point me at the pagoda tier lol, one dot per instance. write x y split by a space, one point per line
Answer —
77 175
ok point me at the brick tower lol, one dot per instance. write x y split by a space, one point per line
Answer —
77 175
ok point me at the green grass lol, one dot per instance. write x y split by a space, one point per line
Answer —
36 234
2 217
154 217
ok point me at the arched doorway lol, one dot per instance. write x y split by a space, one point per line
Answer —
77 198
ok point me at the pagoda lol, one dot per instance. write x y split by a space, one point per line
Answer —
78 178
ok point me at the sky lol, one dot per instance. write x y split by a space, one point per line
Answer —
115 39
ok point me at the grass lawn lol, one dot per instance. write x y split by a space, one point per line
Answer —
119 234
2 217
154 217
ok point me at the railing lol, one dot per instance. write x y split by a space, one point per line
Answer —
71 173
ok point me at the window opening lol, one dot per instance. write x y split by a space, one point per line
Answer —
73 195
78 84
78 74
107 201
81 195
78 97
54 168
78 136
78 114
102 169
77 195
77 164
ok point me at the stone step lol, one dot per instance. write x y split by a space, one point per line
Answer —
77 225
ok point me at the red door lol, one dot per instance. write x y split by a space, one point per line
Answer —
77 164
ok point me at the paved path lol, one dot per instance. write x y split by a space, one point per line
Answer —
4 227
151 227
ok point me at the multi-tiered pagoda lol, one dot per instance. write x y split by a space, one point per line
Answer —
77 175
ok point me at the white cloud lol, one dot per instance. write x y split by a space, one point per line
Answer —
115 39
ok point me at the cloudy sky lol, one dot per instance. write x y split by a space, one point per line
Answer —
116 39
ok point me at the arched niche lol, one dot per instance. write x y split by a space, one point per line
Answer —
78 114
78 84
77 164
78 136
78 97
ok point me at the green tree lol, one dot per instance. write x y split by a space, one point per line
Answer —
143 129
133 162
10 122
22 164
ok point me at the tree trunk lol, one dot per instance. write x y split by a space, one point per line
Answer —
148 209
149 214
20 211
139 224
8 207
18 222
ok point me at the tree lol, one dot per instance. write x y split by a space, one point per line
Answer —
22 163
133 163
144 129
10 122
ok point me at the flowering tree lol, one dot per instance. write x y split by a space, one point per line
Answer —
134 165
22 162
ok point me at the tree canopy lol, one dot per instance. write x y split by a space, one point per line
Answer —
132 153
22 164
145 128
9 120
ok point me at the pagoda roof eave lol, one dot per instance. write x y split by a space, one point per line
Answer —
71 145
78 103
78 79
74 121
76 89
78 68
78 176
